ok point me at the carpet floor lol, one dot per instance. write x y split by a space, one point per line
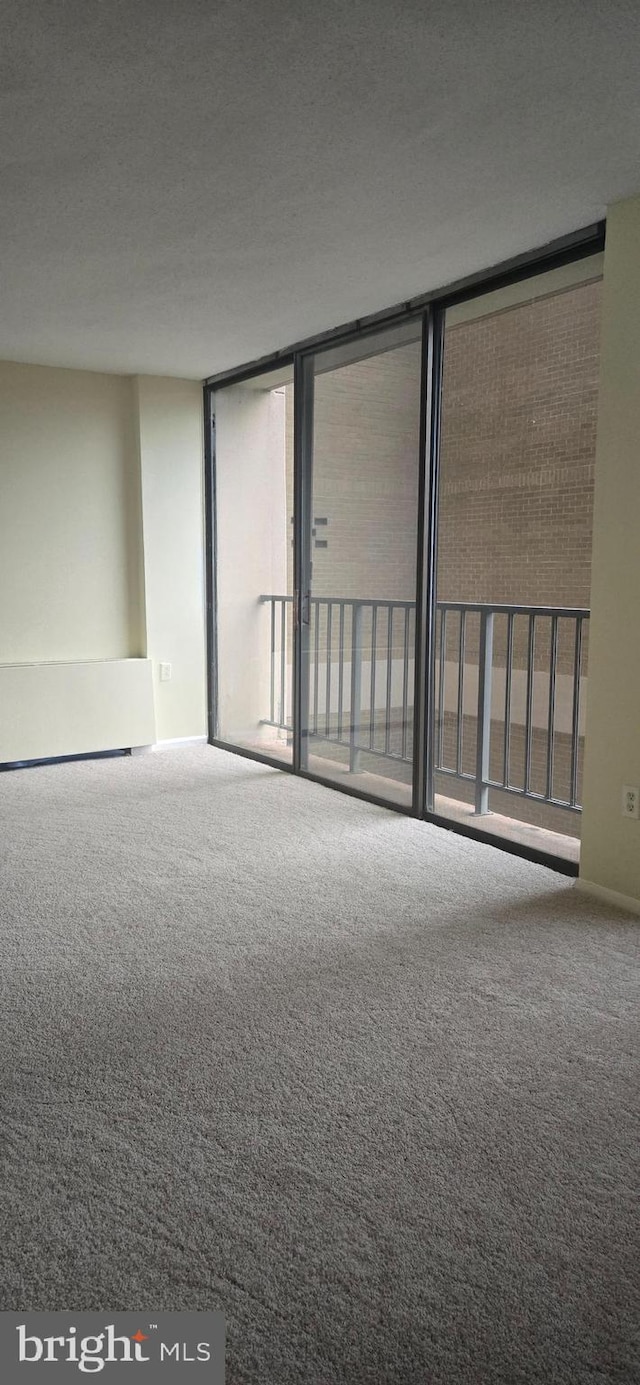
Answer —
366 1086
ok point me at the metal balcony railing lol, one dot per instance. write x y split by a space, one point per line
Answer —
508 689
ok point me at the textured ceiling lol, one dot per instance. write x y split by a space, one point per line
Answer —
192 184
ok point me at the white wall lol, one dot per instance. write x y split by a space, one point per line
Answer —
69 518
610 856
171 468
101 548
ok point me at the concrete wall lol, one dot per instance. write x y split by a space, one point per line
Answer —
610 857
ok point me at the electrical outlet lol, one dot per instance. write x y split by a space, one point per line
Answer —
165 673
630 801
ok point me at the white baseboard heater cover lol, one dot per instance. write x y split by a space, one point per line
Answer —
75 708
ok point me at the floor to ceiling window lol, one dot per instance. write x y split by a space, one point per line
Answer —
517 453
402 557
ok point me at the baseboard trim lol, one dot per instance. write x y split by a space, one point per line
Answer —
621 901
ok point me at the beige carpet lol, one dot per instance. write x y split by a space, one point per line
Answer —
368 1087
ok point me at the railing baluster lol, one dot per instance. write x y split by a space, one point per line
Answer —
508 679
553 660
528 716
440 737
405 684
575 714
356 685
316 670
272 704
290 608
460 708
387 729
341 670
283 655
385 744
483 730
327 708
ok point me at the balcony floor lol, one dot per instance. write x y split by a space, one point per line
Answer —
524 833
565 847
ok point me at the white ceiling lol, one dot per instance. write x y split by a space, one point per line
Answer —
188 184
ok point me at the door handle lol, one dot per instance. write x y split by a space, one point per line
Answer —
302 609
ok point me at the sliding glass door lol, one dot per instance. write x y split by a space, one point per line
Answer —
402 558
362 523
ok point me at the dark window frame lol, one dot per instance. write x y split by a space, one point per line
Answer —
430 308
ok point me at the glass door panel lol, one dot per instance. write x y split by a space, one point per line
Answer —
254 538
362 547
517 449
